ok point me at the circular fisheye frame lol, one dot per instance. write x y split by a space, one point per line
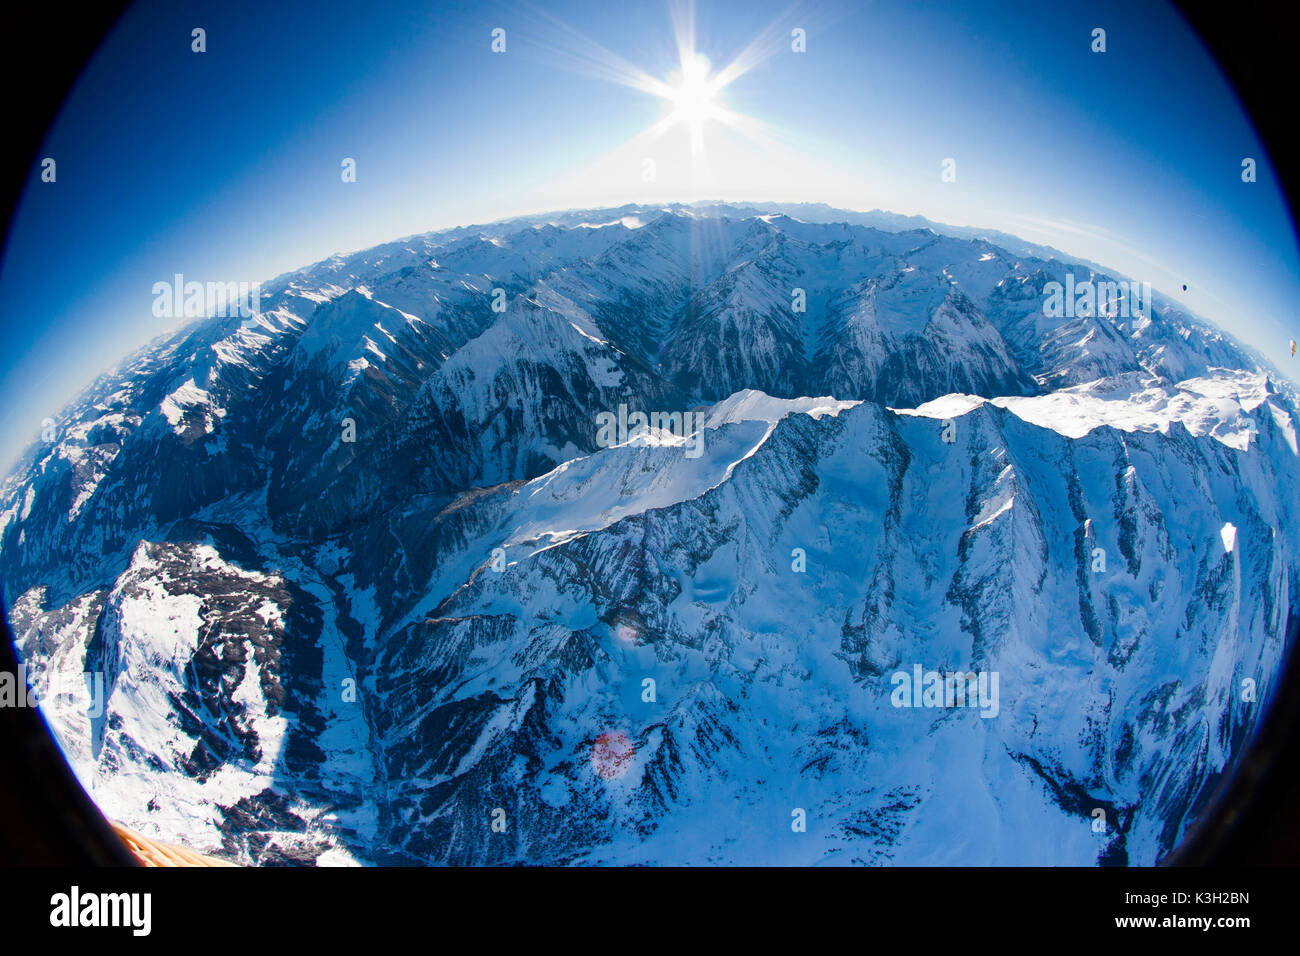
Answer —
716 433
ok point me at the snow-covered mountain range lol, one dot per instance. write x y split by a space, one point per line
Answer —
365 584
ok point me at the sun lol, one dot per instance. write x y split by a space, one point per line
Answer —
693 94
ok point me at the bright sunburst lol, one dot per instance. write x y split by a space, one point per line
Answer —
692 92
693 96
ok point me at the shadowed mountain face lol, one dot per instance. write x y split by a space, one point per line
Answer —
365 580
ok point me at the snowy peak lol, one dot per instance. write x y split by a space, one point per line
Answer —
349 328
1230 406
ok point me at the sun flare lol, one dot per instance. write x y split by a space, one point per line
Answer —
692 97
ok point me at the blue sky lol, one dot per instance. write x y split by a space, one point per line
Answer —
226 165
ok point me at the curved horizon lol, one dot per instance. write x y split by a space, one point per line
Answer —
163 169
